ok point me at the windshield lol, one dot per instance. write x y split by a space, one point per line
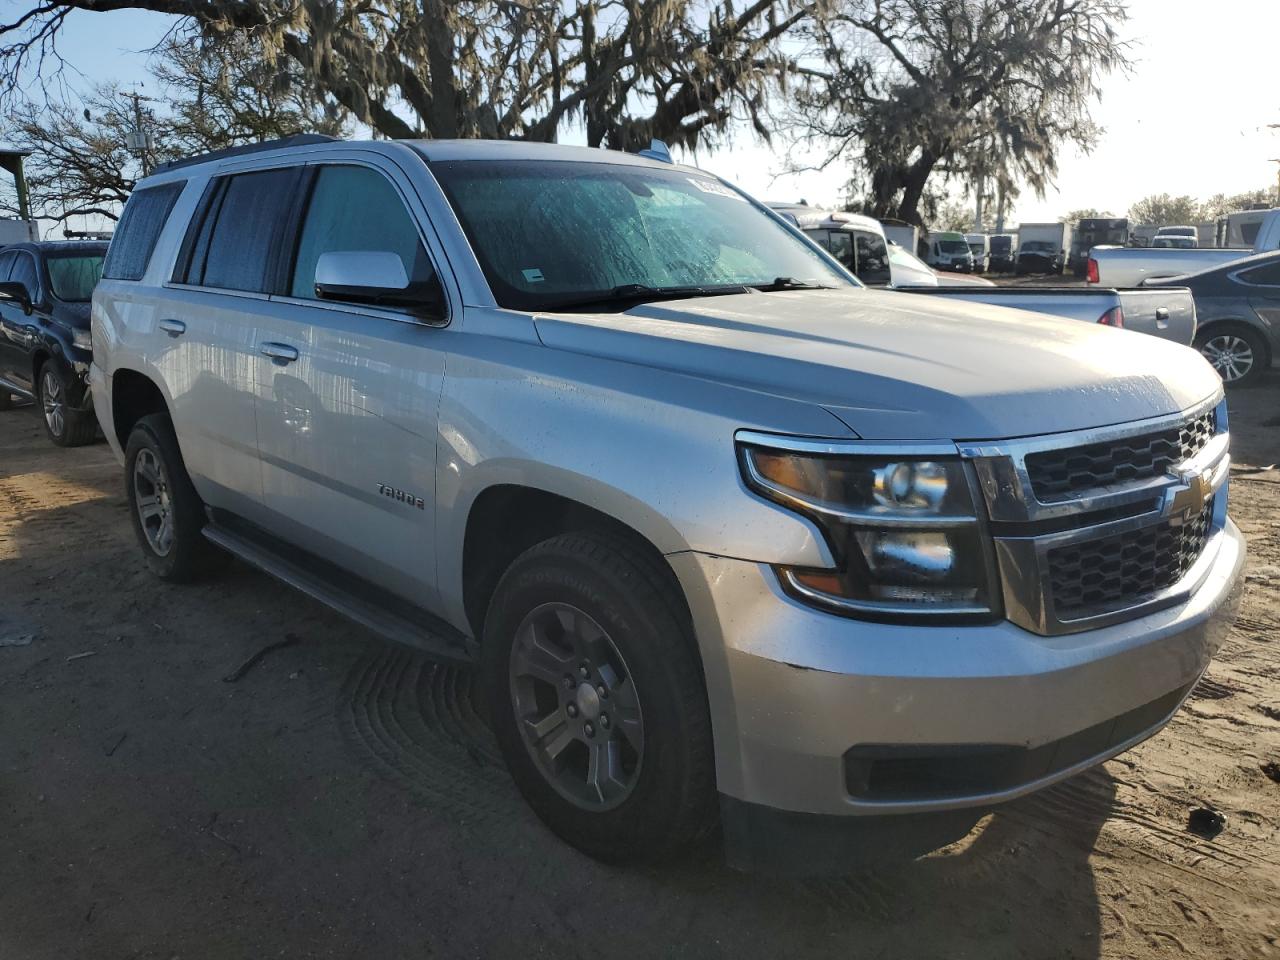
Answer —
953 246
74 275
547 233
1039 246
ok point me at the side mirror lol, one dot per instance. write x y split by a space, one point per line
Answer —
376 278
11 291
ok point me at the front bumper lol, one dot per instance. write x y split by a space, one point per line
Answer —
803 701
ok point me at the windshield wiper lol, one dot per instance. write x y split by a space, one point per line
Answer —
635 293
789 283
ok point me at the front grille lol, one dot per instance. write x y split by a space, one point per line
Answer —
1064 474
1124 569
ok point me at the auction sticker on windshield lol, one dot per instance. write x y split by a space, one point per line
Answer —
715 189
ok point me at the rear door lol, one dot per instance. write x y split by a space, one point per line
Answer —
206 339
347 406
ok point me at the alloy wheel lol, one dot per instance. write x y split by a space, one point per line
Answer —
1230 355
52 401
576 706
153 501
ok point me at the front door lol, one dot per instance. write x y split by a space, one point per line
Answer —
348 394
19 330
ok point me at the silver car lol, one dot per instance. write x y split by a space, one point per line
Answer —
729 536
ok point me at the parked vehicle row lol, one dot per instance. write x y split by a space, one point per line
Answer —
861 245
1119 266
730 537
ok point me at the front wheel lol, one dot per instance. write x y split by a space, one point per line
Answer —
1237 352
597 700
65 425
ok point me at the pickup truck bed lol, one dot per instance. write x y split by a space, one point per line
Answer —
1165 312
1130 266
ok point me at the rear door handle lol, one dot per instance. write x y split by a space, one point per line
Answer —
280 353
174 328
1162 317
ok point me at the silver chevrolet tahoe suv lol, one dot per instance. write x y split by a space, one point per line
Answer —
729 537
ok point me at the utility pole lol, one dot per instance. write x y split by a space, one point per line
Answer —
139 138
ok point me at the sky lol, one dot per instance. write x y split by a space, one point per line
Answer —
1191 118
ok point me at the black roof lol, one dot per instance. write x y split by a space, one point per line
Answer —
297 140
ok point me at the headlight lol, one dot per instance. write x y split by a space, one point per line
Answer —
82 339
904 529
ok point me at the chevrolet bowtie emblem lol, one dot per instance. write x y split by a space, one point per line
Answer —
1184 501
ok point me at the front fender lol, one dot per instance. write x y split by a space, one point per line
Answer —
652 449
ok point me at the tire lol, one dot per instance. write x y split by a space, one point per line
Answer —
660 795
160 492
65 427
1236 351
6 400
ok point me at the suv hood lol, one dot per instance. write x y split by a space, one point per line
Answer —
897 366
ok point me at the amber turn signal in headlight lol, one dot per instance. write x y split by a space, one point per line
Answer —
903 529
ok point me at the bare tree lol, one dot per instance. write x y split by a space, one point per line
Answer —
627 69
972 90
210 95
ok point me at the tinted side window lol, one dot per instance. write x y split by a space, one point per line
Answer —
1267 275
244 232
356 208
139 228
24 272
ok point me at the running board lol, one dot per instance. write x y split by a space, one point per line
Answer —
20 392
437 639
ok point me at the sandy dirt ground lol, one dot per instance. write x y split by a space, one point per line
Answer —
342 800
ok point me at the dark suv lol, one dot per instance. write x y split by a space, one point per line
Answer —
44 332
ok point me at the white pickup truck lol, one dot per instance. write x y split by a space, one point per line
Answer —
1131 266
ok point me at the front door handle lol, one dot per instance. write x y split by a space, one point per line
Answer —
174 328
280 353
1162 318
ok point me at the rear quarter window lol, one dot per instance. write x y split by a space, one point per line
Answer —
139 228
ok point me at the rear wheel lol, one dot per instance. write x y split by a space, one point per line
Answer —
65 425
1236 351
596 695
168 515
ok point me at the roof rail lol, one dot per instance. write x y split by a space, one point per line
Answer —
297 140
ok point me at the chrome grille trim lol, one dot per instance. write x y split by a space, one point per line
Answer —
1006 484
1023 558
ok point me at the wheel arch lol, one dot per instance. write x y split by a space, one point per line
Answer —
505 519
134 395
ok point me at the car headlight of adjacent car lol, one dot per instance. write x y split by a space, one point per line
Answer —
904 529
82 338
